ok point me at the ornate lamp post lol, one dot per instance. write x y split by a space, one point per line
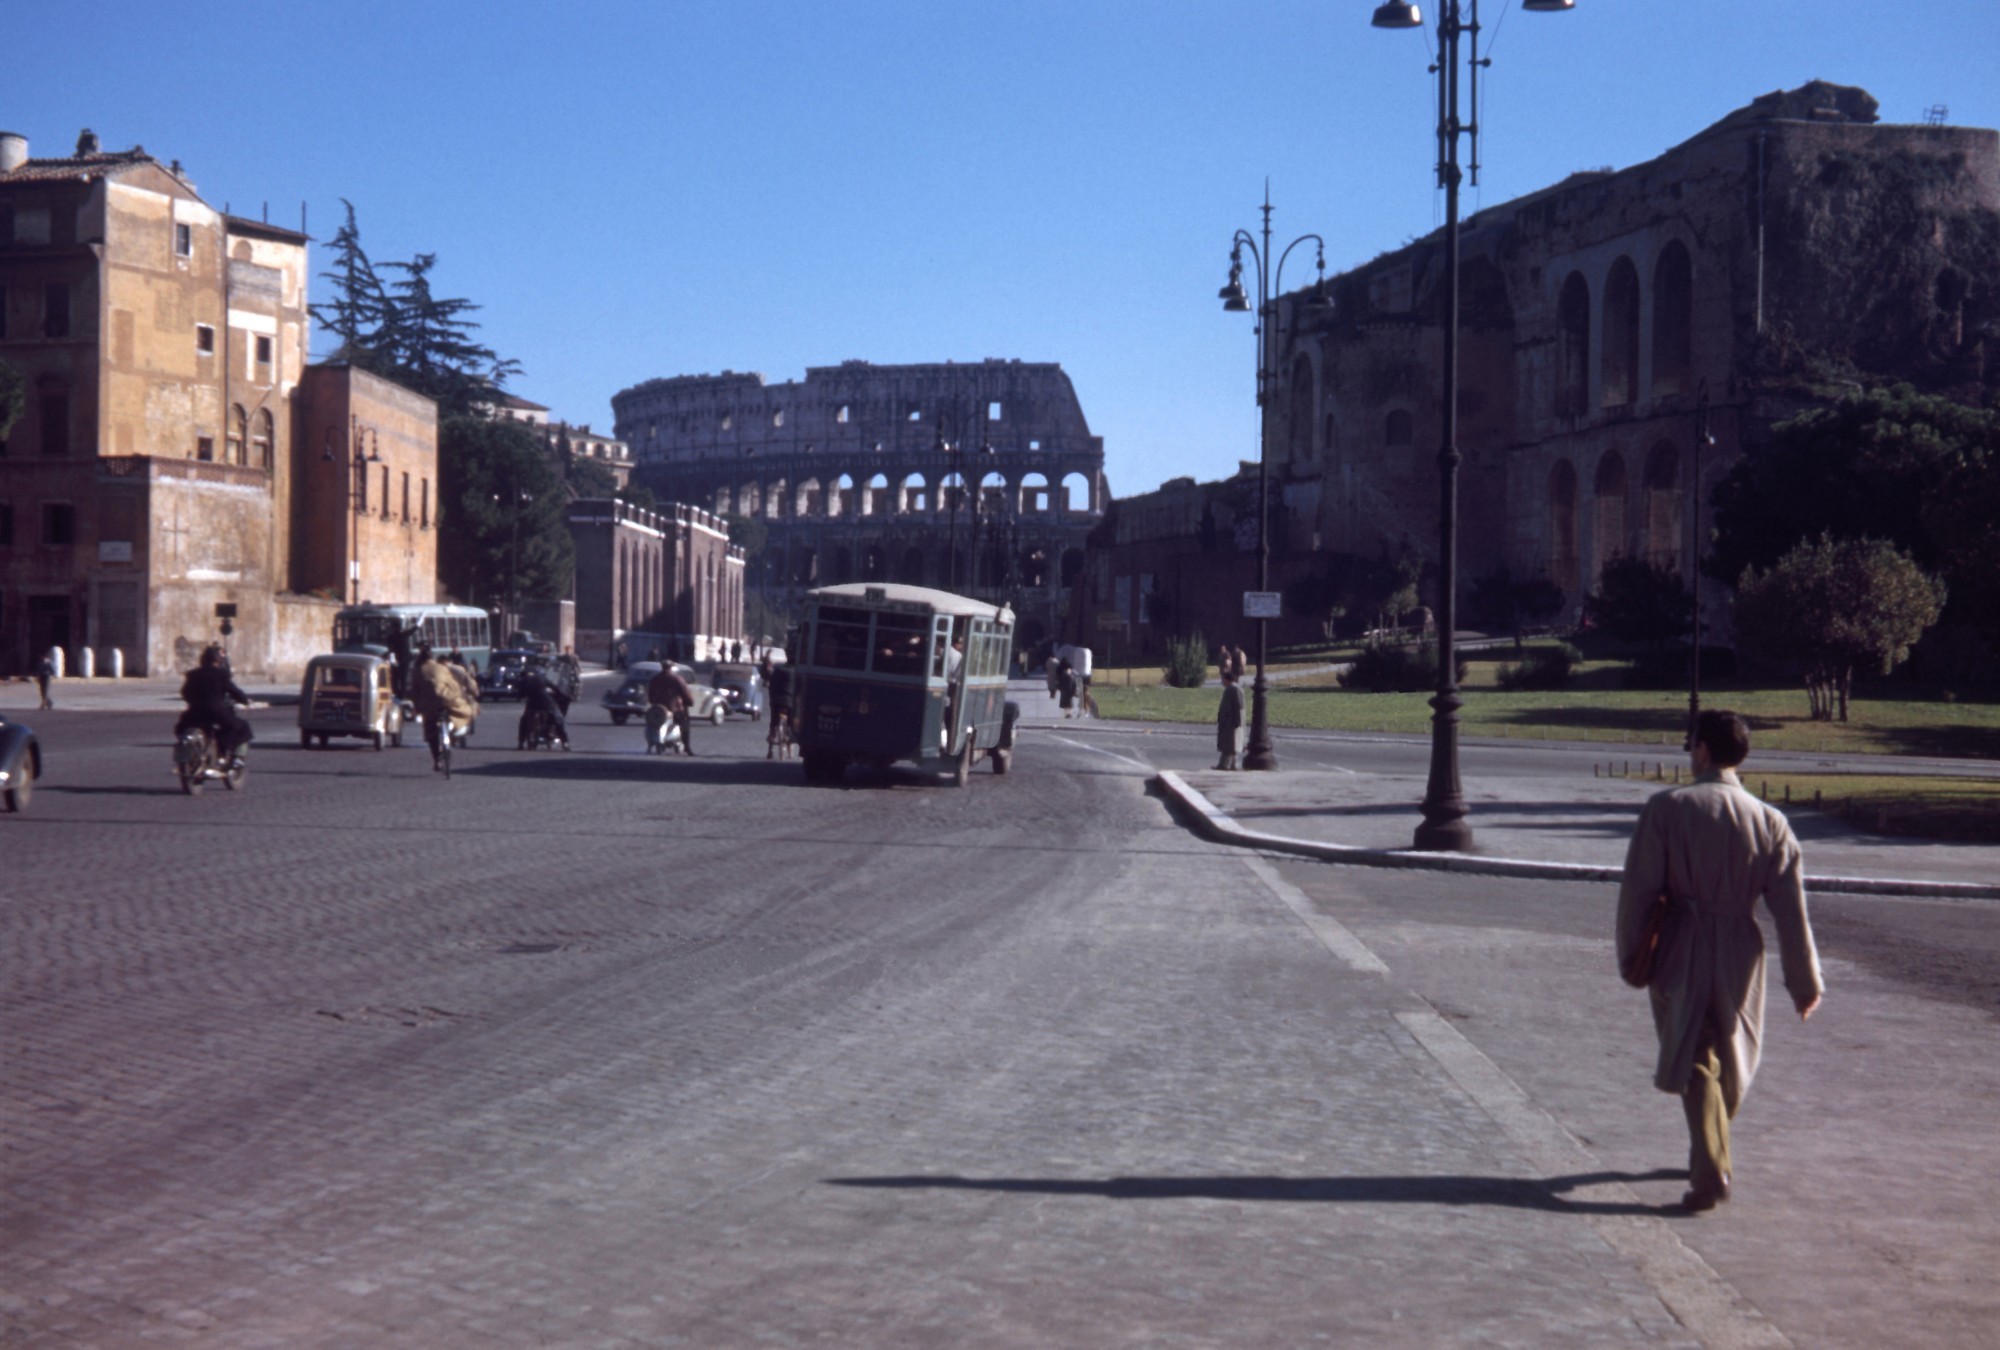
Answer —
1444 828
1258 754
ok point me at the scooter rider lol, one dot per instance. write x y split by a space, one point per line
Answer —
670 689
539 697
211 696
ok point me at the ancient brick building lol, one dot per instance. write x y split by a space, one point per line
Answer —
668 578
368 474
982 478
168 463
1795 248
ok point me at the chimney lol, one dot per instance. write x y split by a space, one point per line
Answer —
13 151
87 143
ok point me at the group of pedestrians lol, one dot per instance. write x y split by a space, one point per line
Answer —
1068 672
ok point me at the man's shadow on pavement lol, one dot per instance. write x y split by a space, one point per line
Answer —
1503 1192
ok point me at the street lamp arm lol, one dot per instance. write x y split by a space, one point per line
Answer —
1278 282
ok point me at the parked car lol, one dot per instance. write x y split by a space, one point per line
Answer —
20 764
742 686
629 700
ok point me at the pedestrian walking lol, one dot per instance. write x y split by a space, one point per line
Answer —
1052 669
1229 723
45 671
1080 662
1702 856
1066 687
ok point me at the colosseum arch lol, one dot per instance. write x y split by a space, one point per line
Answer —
1663 506
1673 321
1563 558
1033 568
750 498
1609 514
840 500
993 494
1074 495
1621 334
1035 496
912 495
809 501
875 496
777 499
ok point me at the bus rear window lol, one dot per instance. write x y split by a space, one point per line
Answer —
840 639
901 643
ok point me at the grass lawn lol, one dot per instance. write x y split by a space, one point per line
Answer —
1884 718
1965 810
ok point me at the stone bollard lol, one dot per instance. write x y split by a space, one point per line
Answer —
86 663
114 662
60 659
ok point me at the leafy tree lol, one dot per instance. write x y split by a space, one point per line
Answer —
639 495
590 477
402 331
359 310
504 514
1345 584
1498 599
748 533
1640 603
1829 606
13 397
1963 515
1186 666
428 342
1861 468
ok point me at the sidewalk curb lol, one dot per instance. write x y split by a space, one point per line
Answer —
1212 823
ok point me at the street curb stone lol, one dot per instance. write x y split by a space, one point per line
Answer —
1212 823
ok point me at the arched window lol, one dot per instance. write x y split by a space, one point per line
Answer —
1562 526
1673 321
263 441
1663 506
1610 513
1573 347
239 423
1302 409
1621 334
1397 429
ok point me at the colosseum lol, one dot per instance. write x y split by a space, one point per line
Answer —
980 478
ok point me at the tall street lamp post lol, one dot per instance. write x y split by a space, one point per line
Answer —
1444 828
1259 754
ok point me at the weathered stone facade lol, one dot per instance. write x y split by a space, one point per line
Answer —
170 460
668 578
1795 246
367 514
979 477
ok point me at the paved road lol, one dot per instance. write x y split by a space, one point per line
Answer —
599 1049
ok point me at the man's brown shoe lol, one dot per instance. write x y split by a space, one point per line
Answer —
1702 1198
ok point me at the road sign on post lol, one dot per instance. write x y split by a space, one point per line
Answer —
1262 605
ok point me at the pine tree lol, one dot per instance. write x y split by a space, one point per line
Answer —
359 312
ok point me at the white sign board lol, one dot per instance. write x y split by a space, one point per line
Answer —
1262 605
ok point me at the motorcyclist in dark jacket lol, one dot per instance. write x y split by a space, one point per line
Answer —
211 696
538 696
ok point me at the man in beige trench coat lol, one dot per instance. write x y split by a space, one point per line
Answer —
1711 849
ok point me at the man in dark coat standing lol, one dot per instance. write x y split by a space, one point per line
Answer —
1707 852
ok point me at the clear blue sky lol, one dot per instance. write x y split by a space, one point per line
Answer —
662 187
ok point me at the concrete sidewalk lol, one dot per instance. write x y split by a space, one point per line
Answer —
1520 828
